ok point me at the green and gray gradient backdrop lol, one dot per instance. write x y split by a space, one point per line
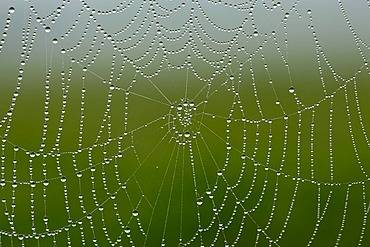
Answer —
157 170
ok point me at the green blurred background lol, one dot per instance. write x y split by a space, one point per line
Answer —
282 194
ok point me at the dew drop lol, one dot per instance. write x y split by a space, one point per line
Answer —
11 10
135 213
291 90
55 41
33 184
47 29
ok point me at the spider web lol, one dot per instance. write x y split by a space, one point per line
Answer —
195 123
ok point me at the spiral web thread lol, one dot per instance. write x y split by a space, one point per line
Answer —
202 135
